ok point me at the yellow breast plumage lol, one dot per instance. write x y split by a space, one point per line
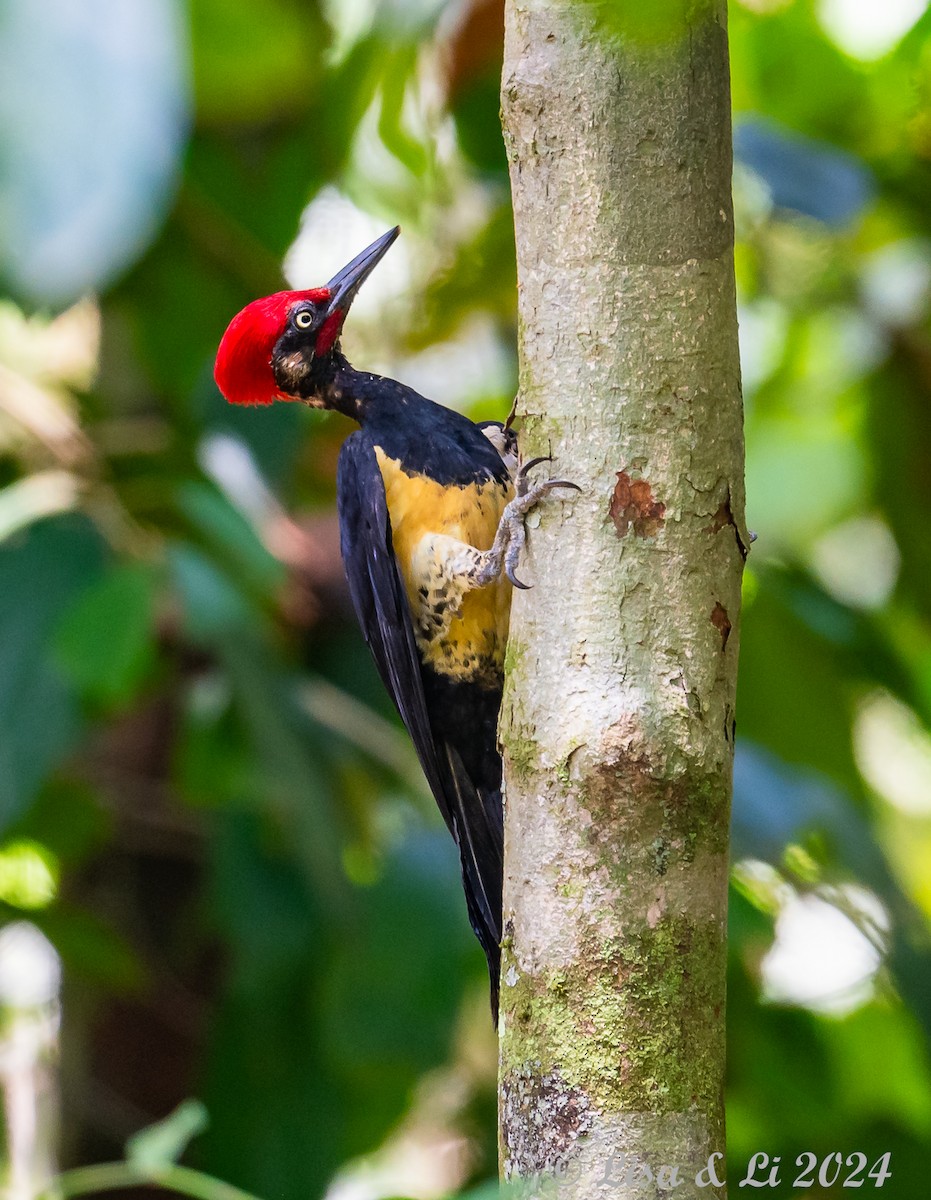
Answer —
460 629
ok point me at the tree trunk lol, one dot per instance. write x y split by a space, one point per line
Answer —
618 719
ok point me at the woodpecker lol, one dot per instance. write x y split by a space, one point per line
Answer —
431 511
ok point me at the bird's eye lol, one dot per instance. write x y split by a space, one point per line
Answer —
304 319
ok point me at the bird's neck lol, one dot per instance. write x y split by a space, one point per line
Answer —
364 397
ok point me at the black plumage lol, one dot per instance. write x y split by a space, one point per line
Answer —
452 722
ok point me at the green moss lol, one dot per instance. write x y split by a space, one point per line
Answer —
520 751
513 653
675 819
538 435
660 849
695 810
517 740
637 1025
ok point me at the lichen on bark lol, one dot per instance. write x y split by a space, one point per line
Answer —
617 721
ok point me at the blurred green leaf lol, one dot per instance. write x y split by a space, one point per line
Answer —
213 606
413 937
291 766
270 48
163 1143
105 643
66 818
793 696
274 1107
477 108
881 1066
41 572
230 536
93 129
900 430
399 72
213 763
92 949
777 54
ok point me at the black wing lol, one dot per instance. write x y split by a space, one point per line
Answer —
469 801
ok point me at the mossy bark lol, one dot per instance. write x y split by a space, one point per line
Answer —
618 718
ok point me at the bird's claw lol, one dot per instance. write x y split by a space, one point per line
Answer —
511 534
534 462
524 487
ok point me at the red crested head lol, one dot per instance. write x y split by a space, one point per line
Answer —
278 347
243 370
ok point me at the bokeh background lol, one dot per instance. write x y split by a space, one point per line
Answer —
207 807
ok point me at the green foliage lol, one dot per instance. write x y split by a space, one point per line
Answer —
163 1143
41 574
105 643
251 900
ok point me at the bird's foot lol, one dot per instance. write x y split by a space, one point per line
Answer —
511 536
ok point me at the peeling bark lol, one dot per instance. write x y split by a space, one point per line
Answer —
617 722
633 507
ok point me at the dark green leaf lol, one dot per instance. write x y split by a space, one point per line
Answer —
105 643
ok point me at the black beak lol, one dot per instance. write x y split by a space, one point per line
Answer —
345 283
